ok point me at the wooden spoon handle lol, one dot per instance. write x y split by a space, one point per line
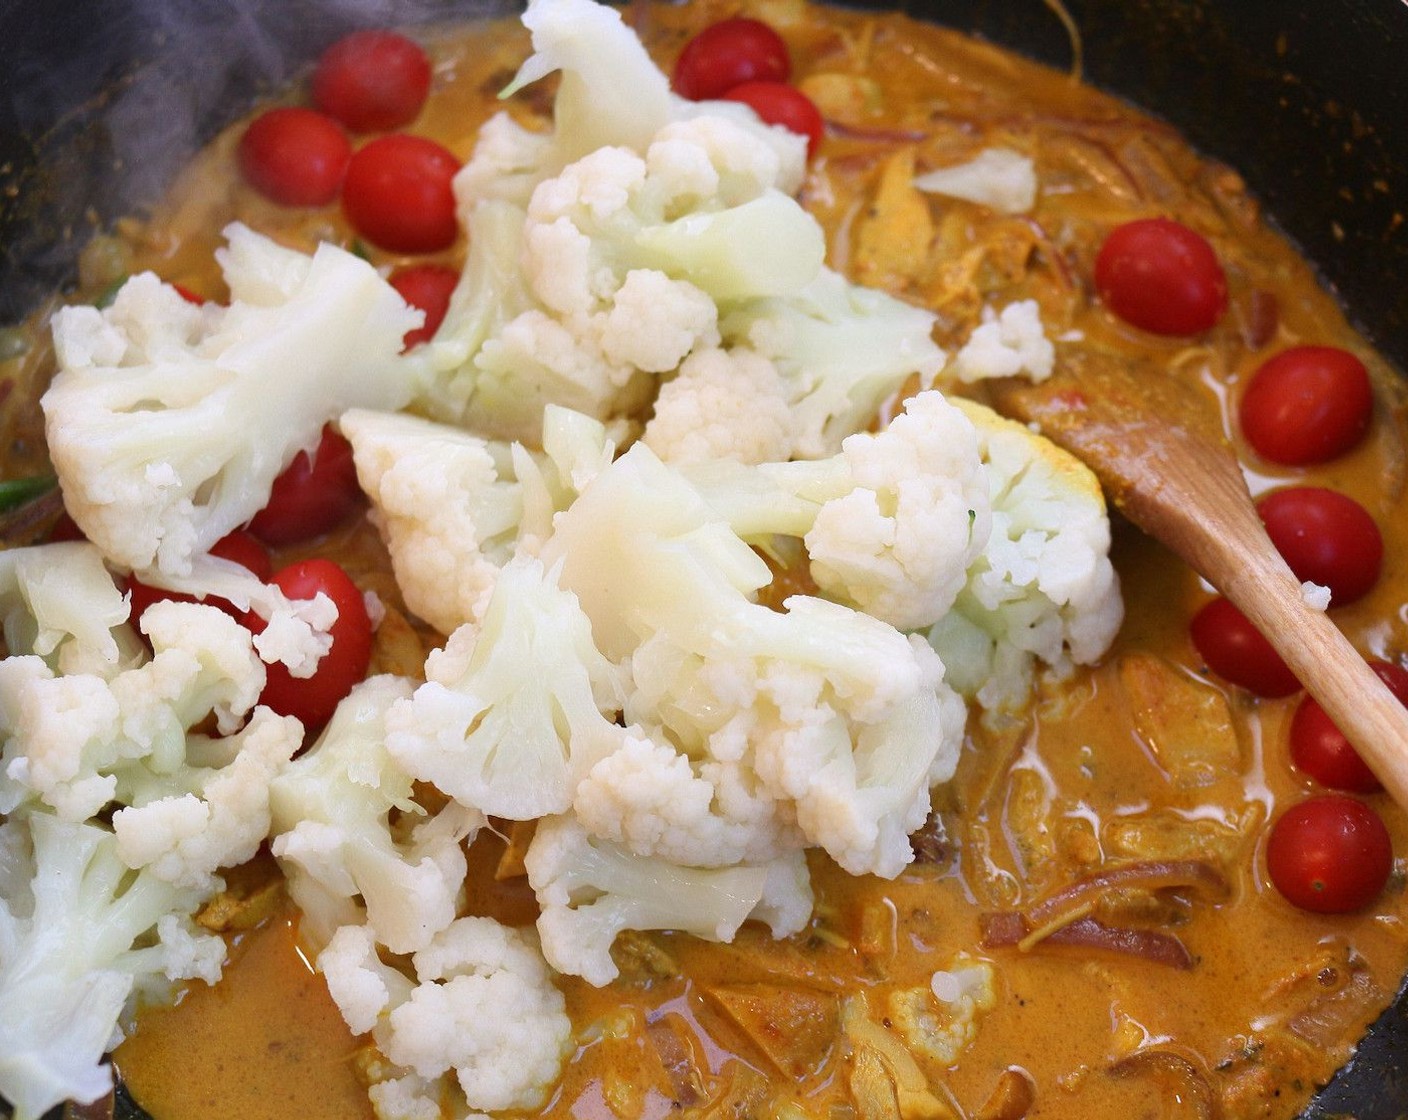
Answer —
1214 525
1353 696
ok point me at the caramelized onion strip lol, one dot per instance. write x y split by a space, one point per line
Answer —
1150 875
1009 929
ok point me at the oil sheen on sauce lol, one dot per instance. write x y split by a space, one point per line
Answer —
1035 802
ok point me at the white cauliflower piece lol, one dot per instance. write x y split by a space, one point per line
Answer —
716 149
656 801
168 423
453 509
68 966
1043 589
998 178
898 544
842 349
221 815
449 520
333 834
69 740
589 890
891 524
723 405
1005 345
833 716
59 602
612 95
622 267
515 710
482 1006
941 1021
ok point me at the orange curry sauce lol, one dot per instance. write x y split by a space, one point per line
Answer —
1143 757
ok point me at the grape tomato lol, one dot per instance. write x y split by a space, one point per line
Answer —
427 287
1235 650
1160 276
295 157
1320 749
781 104
1330 854
372 81
312 700
312 496
727 54
1306 405
397 194
1327 538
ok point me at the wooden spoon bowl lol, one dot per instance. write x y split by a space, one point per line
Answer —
1166 466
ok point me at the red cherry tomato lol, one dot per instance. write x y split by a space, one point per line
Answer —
1307 405
1235 650
1160 276
238 546
1330 854
372 81
310 498
1321 750
428 287
727 54
397 194
1326 537
295 157
778 103
312 700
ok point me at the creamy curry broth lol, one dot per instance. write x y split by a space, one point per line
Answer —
1088 777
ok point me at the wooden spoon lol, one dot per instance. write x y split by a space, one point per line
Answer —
1168 467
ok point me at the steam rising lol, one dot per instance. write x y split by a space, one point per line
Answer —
116 97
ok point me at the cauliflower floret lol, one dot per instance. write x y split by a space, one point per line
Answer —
899 543
450 521
998 178
621 269
612 95
941 1021
841 348
715 148
1043 588
723 405
69 741
453 509
515 710
485 1006
850 758
218 815
837 717
891 524
68 966
482 1006
168 423
360 983
333 833
655 801
59 602
1006 344
589 890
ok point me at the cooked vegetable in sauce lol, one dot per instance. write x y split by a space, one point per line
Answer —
575 662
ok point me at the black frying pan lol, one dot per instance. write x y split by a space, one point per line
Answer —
1309 100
